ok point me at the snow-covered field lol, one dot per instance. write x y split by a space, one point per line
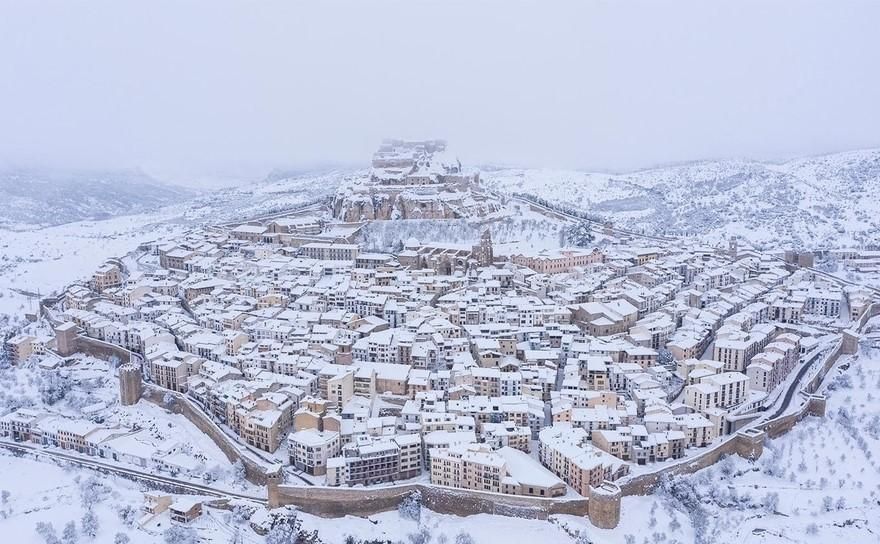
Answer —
47 259
40 492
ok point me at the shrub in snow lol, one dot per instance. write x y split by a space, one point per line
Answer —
127 515
89 524
179 534
422 536
69 534
168 400
4 496
411 506
582 538
241 513
827 503
284 530
771 502
121 538
841 381
873 428
464 538
47 532
53 387
239 473
812 529
92 491
579 235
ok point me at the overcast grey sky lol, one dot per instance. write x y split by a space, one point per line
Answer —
217 87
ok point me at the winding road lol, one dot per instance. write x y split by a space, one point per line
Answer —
125 472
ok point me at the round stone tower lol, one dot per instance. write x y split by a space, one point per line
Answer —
129 384
603 505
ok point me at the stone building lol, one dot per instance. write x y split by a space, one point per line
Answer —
482 251
129 384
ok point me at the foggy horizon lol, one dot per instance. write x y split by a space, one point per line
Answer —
183 92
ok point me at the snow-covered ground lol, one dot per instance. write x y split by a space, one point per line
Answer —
47 259
40 492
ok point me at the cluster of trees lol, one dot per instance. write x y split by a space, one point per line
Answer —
180 534
410 508
92 492
53 387
579 235
287 529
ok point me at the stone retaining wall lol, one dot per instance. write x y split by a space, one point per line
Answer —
254 472
341 501
105 350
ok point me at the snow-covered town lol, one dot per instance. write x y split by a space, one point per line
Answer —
482 272
269 364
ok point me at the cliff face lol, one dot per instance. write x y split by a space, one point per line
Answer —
382 204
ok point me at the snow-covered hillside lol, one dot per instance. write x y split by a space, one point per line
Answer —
812 202
54 198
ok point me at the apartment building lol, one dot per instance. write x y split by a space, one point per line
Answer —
330 251
500 435
605 318
737 350
483 410
773 365
107 276
21 425
371 460
171 369
471 466
262 422
507 470
568 453
555 261
309 449
20 347
723 390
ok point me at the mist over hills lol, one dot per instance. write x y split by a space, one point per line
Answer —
54 197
